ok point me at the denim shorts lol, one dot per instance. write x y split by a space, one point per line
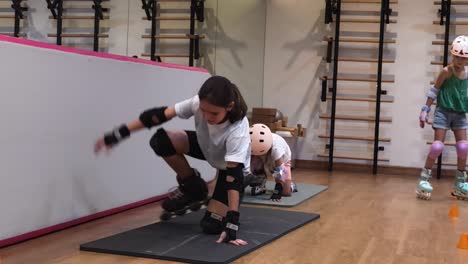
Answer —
447 119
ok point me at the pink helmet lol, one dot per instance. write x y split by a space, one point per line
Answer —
460 46
261 138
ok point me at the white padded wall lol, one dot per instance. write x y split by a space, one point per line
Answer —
54 105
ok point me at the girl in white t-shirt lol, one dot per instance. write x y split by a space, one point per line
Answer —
221 137
271 155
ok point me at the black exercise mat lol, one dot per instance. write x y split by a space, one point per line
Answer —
181 238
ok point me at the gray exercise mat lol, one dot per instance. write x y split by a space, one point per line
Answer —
305 192
181 238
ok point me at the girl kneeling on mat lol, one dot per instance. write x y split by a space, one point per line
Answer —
271 155
221 138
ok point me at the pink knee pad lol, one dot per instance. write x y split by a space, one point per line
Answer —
462 149
436 149
287 171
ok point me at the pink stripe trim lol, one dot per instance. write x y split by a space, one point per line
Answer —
81 220
50 46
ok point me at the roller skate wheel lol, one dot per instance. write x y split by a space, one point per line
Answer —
458 196
423 195
195 207
181 212
165 216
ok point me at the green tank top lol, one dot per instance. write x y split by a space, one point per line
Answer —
453 95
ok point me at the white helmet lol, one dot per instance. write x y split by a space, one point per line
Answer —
460 46
261 139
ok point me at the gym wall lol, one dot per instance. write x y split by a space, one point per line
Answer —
54 105
293 65
233 45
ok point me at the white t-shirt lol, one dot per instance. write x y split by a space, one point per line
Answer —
280 149
221 143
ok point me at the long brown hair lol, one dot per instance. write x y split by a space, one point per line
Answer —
219 91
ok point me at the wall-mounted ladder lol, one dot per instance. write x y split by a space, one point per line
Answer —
336 15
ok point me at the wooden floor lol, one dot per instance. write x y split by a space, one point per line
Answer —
364 219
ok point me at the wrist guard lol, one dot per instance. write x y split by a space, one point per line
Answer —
116 135
277 192
232 225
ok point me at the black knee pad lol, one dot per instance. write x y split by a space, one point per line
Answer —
212 223
162 144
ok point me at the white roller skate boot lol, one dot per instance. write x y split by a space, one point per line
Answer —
424 189
258 189
460 186
257 184
294 187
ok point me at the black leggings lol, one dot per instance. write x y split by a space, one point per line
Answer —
220 192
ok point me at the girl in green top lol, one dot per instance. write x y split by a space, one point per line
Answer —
450 90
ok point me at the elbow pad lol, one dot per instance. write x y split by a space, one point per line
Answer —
153 117
278 172
432 93
238 175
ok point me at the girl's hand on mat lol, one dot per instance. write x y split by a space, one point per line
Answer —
277 193
274 198
229 235
237 241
